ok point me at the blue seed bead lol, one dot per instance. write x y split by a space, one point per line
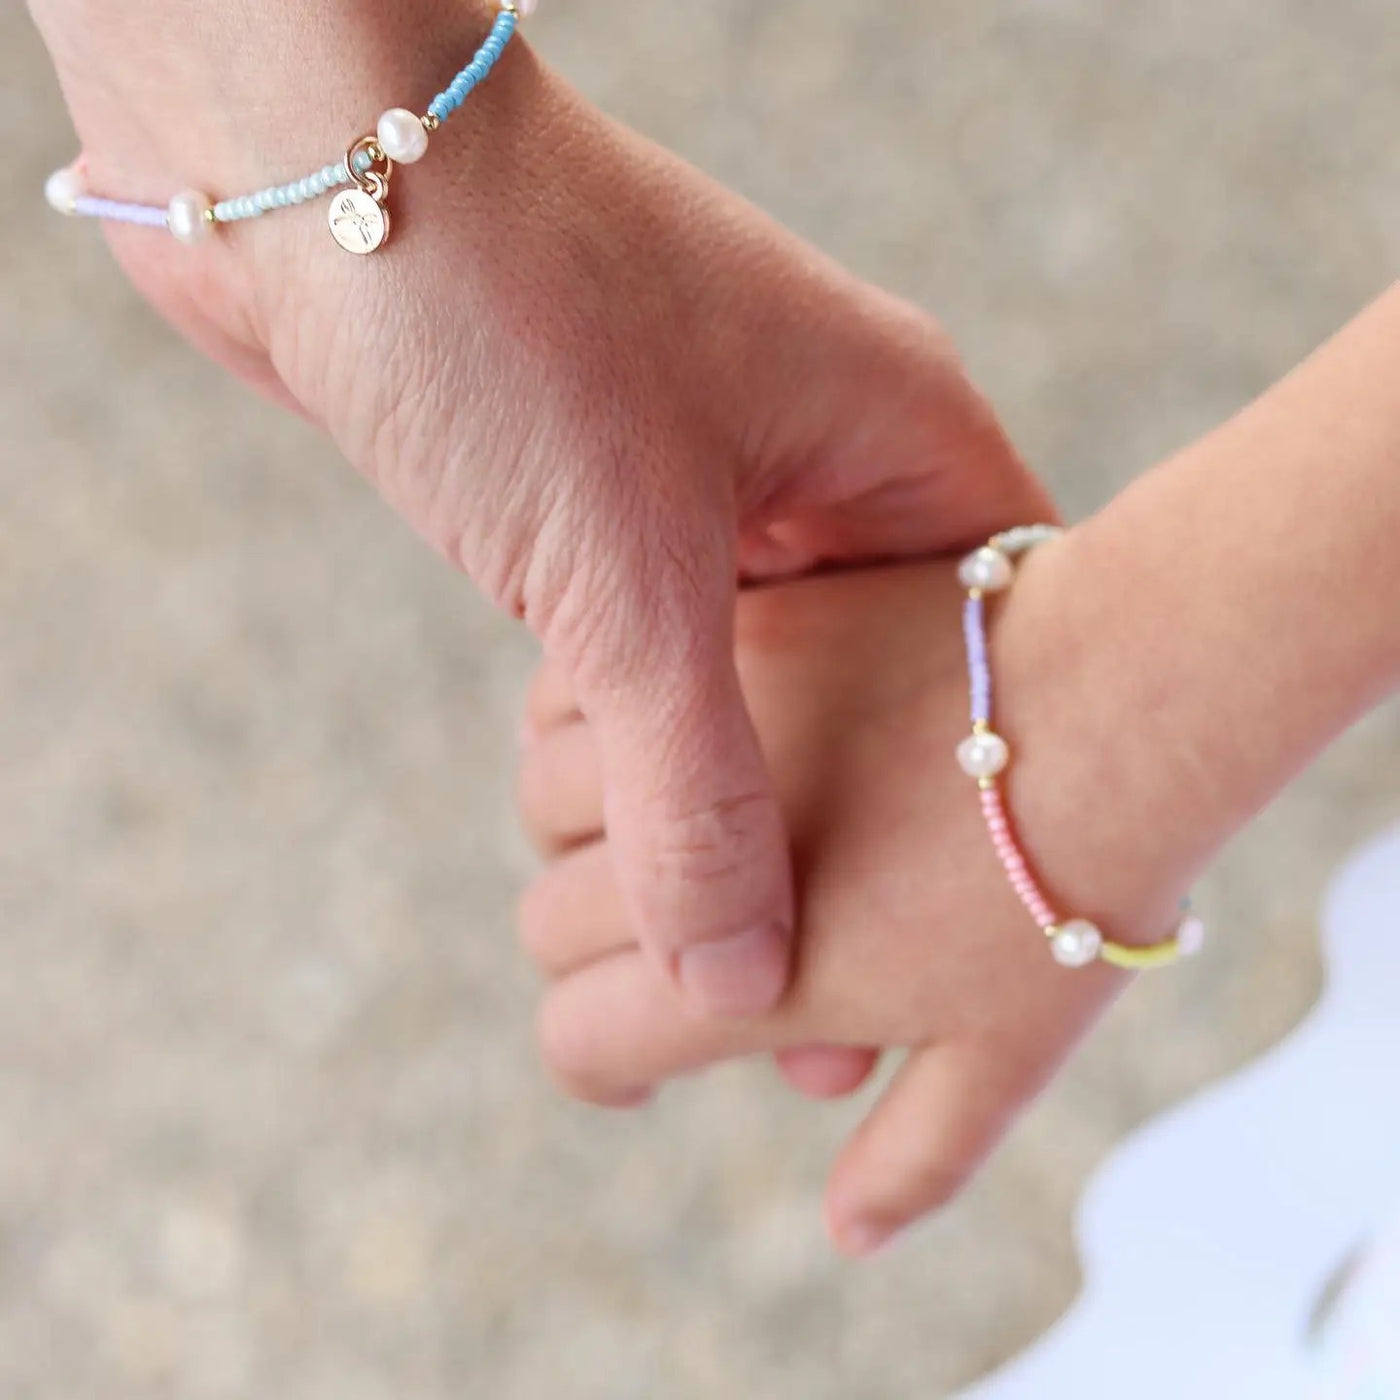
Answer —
252 206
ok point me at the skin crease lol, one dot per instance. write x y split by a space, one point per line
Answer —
597 382
1138 747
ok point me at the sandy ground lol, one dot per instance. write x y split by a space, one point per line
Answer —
270 1121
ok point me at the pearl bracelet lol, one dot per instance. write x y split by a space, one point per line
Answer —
359 216
984 755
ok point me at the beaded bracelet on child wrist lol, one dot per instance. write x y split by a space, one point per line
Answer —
359 216
984 755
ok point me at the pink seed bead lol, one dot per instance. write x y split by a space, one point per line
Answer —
1013 861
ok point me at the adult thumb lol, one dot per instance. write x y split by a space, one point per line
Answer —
698 840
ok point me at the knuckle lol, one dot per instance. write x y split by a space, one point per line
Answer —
710 843
644 603
567 1053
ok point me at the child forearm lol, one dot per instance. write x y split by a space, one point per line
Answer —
1237 608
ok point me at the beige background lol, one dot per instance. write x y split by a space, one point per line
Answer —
270 1121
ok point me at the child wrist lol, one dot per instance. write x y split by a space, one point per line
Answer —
1074 939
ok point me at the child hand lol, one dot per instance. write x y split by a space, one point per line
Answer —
909 935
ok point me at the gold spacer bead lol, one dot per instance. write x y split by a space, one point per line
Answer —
974 594
510 7
375 152
1050 930
431 122
208 216
986 784
980 726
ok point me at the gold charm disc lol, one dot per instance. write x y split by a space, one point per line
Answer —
358 221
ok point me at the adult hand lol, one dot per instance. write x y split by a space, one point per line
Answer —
600 384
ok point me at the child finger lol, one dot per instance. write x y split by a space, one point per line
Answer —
550 700
560 789
620 1023
827 1071
572 915
573 918
934 1126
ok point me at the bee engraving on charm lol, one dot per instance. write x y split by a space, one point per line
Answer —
358 222
359 217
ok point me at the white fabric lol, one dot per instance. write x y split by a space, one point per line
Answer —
1214 1238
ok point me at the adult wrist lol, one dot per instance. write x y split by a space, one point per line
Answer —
156 84
223 101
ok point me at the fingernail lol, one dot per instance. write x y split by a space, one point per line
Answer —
739 976
866 1239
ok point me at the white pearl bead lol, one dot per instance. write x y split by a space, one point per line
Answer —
1076 943
983 755
63 187
187 216
986 568
1190 936
402 136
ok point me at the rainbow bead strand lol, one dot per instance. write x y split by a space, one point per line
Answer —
400 136
985 755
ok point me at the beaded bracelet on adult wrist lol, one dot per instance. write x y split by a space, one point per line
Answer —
359 216
985 755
